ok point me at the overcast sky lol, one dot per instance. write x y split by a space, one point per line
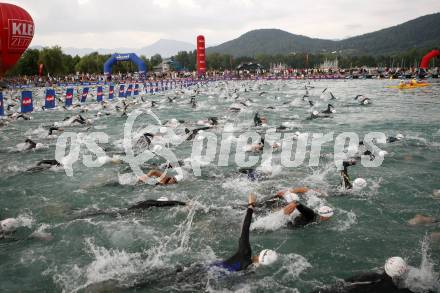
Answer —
137 23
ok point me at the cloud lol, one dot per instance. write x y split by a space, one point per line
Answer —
136 23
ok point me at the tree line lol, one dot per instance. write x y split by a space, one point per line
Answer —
57 63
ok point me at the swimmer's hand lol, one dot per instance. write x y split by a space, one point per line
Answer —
143 178
252 199
289 208
281 193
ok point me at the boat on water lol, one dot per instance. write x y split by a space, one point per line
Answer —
410 85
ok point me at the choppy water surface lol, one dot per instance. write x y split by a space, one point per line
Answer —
100 253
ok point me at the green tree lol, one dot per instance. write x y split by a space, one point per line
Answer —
27 64
52 59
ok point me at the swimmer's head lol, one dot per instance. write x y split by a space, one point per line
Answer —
9 225
399 136
157 148
315 113
359 183
395 267
267 257
163 130
325 213
163 198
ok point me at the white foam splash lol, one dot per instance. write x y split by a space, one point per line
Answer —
424 278
270 222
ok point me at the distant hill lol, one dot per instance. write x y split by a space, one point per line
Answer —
166 48
422 32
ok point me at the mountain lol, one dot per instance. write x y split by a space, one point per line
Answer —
166 48
422 32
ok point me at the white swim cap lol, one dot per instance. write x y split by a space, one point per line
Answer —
157 148
333 110
163 130
359 183
399 136
178 177
163 198
325 211
382 153
315 113
267 257
9 225
290 196
395 267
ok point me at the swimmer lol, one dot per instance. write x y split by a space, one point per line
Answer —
7 227
391 280
252 174
16 116
44 165
142 205
30 144
193 133
258 147
398 137
345 178
243 257
362 100
315 114
307 215
54 128
422 220
257 120
330 109
160 202
145 139
161 178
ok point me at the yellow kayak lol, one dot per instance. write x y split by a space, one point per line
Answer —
409 86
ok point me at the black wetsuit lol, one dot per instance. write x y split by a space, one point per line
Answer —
31 143
142 205
24 117
243 257
52 129
307 216
257 120
366 283
155 203
44 165
49 162
392 139
252 174
193 133
345 178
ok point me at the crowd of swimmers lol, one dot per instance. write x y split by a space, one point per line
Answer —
390 279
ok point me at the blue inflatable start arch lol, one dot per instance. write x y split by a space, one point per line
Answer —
124 57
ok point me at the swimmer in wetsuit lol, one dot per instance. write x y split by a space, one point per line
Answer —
389 281
307 215
44 165
161 202
161 178
345 178
30 144
243 257
54 128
